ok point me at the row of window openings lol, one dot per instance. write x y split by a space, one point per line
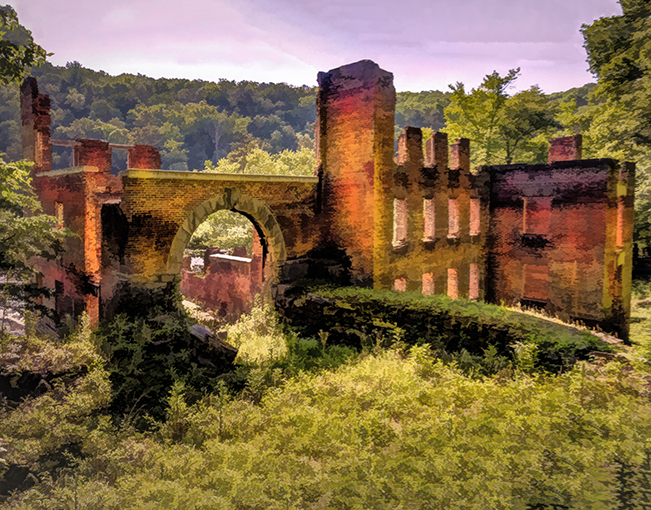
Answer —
400 219
400 284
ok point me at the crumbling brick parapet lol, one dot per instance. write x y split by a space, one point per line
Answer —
144 157
92 153
460 155
565 148
35 121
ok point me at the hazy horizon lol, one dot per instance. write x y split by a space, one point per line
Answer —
426 45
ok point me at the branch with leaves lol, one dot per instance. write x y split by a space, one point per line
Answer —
18 51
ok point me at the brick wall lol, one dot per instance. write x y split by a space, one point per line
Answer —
35 122
557 236
161 205
355 107
435 190
554 239
229 284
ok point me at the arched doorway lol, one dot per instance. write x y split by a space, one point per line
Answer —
230 280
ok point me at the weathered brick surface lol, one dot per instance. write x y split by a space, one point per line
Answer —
356 106
422 261
144 157
95 153
228 286
573 237
35 122
156 223
82 192
566 148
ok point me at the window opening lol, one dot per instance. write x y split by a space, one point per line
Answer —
474 217
399 222
429 226
400 284
428 284
473 291
58 213
453 218
453 283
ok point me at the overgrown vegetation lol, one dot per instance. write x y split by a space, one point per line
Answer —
304 423
24 234
456 408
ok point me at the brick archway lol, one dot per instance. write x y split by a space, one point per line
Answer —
256 211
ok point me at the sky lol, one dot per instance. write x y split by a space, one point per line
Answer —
426 44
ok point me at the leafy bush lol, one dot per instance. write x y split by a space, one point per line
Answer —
42 429
149 348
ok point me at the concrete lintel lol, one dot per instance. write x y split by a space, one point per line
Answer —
209 176
64 143
70 171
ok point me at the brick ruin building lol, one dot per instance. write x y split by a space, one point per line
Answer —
557 236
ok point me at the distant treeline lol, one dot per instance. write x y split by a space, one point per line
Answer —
190 121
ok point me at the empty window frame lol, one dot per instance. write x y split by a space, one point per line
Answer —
453 283
454 226
428 284
400 284
38 155
399 222
473 290
429 225
474 217
537 213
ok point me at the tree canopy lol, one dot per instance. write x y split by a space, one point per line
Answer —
502 128
24 234
18 51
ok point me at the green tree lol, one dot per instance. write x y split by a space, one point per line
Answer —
225 230
502 128
476 115
524 118
18 51
618 51
254 160
24 234
421 109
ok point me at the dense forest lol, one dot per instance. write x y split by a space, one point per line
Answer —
192 122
